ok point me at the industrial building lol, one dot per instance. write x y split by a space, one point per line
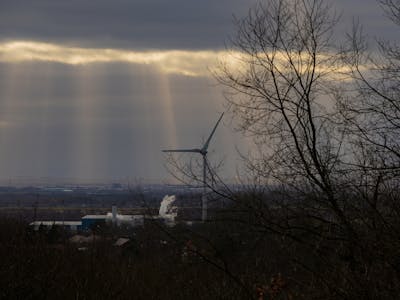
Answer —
88 221
69 225
167 214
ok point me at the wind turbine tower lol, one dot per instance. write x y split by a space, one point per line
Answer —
203 151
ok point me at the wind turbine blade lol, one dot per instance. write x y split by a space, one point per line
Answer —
205 147
183 150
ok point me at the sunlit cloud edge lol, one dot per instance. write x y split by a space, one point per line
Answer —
192 63
182 62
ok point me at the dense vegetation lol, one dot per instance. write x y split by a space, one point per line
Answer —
238 255
212 261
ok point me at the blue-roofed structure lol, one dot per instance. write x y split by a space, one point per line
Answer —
89 221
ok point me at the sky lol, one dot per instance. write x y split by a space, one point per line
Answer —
93 90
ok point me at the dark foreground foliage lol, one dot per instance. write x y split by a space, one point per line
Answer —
38 266
251 250
157 264
213 261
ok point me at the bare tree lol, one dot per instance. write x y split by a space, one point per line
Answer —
371 111
279 90
374 110
326 167
331 158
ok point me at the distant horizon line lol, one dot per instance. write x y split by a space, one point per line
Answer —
25 181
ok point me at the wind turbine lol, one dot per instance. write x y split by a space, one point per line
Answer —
203 151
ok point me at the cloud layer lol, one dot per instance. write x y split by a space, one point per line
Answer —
139 24
184 62
95 89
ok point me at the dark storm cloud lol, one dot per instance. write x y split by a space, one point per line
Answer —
139 24
121 23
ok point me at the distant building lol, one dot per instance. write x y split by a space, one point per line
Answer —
88 221
69 225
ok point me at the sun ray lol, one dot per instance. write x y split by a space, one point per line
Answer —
84 127
168 109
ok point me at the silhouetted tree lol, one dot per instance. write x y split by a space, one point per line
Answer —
329 140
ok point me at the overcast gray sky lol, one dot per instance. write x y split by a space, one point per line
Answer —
64 117
139 24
